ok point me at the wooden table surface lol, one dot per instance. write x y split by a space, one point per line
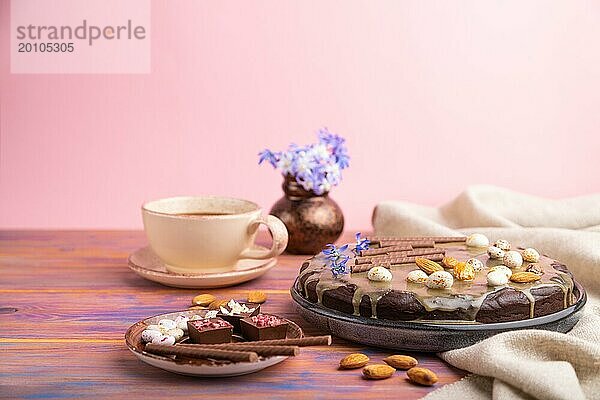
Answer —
67 298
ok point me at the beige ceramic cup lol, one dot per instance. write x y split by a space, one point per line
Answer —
208 234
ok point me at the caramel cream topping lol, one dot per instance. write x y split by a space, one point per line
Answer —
466 295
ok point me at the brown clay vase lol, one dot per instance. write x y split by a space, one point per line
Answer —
312 220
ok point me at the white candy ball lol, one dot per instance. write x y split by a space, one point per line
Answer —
181 322
502 268
157 339
167 324
497 278
495 252
502 244
153 328
531 255
475 263
148 335
440 280
513 259
477 240
379 274
176 333
417 276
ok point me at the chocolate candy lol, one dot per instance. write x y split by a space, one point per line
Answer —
234 312
264 327
208 331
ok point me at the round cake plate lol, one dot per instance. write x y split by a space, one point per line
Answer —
146 264
201 368
430 336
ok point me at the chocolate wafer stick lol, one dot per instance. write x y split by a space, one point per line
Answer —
385 250
203 352
400 254
261 350
413 243
301 342
437 239
356 268
388 262
411 253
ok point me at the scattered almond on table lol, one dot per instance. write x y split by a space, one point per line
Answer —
353 361
416 375
203 299
422 376
256 296
401 362
378 371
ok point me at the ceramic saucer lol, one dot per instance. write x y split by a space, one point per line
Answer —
147 265
204 368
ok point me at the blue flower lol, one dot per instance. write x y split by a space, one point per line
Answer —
268 155
336 259
361 244
317 167
285 163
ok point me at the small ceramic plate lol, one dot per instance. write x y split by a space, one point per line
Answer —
193 367
146 264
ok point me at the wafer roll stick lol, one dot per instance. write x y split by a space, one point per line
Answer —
388 262
365 267
261 350
204 352
407 260
301 342
385 250
411 253
437 239
413 243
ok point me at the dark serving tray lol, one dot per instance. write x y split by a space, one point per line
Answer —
430 336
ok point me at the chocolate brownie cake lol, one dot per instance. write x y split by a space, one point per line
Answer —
436 278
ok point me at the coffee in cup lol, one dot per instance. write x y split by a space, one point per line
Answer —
208 234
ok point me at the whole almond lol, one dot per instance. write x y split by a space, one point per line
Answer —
464 272
422 376
449 262
217 304
378 371
352 361
524 277
535 268
401 362
256 296
203 299
428 266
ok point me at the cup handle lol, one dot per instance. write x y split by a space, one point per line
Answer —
278 232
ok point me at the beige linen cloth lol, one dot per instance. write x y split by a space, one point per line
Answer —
527 364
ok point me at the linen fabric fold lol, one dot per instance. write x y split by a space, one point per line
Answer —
525 364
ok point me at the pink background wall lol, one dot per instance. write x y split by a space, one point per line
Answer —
432 96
